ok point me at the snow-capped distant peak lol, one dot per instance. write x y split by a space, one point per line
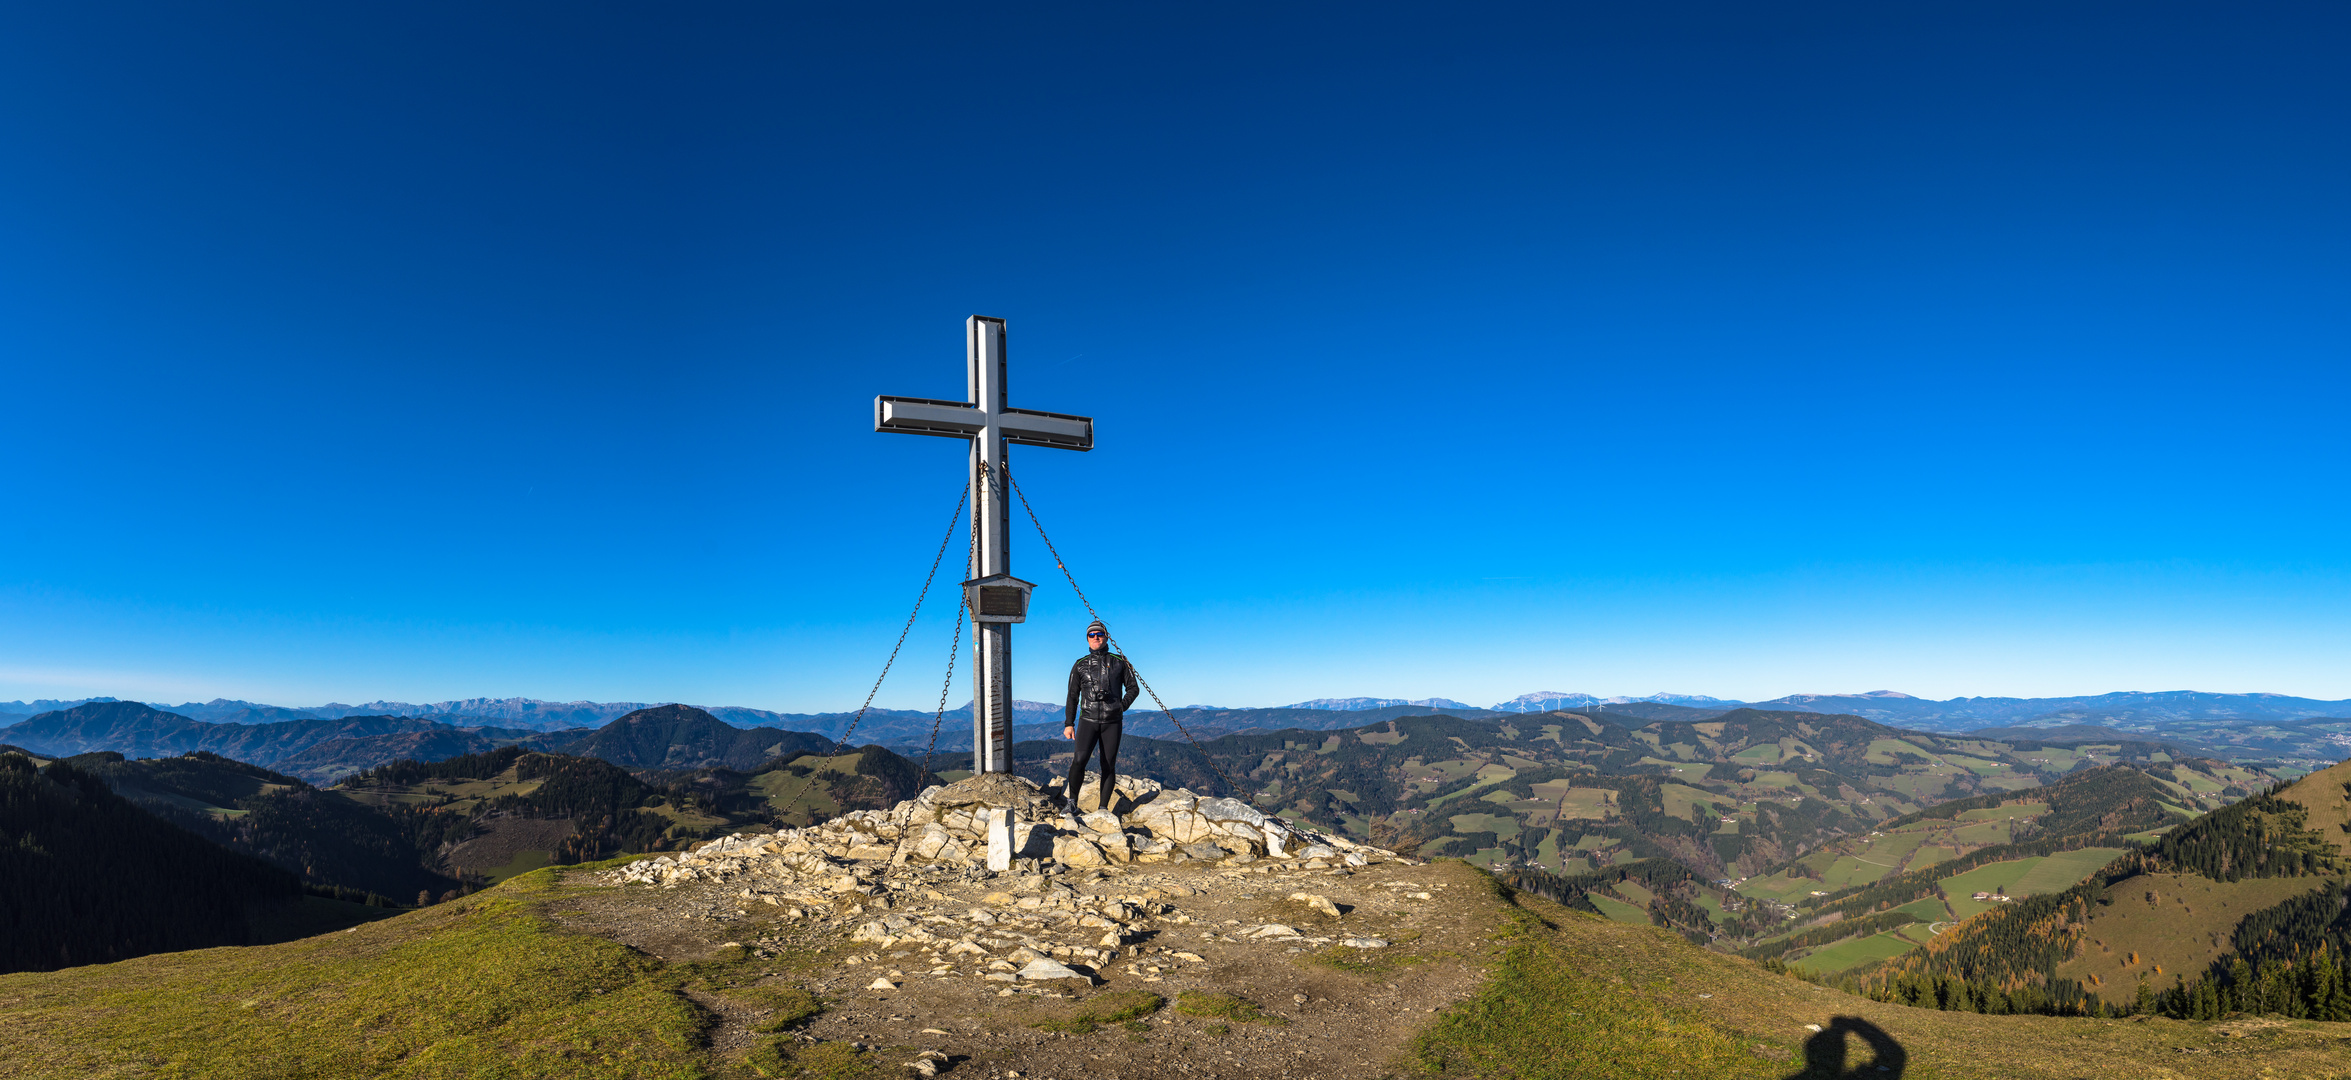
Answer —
1361 704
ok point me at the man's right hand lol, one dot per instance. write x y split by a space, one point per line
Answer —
1069 731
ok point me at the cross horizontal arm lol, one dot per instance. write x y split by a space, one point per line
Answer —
925 416
962 420
1059 430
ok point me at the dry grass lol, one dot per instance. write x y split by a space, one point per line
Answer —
1571 995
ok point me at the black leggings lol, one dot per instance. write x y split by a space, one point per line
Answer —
1090 735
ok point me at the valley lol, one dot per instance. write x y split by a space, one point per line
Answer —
1832 845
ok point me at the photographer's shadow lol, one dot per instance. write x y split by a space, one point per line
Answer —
1824 1054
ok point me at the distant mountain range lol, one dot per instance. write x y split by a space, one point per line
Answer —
2117 710
142 731
2231 726
1358 704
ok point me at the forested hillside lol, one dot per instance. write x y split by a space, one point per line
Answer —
492 815
86 877
323 836
2242 909
684 737
1568 793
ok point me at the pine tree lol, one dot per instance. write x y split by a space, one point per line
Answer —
2327 1000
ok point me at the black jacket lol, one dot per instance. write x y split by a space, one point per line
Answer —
1101 687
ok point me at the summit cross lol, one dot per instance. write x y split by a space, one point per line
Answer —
990 425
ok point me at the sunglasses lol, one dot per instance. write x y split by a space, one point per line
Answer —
1096 633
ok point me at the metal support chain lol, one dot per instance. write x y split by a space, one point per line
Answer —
1058 564
894 649
954 651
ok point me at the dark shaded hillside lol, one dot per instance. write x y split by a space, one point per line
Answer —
684 737
323 836
87 878
609 809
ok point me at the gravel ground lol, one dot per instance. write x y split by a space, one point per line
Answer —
1335 1010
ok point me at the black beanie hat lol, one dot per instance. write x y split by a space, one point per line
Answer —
1097 625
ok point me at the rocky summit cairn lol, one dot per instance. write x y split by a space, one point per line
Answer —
880 862
948 827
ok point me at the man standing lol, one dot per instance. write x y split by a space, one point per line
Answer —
1101 688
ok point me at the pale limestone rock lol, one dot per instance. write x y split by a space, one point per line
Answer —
1205 850
1230 810
1319 903
1101 821
1074 851
1050 969
927 841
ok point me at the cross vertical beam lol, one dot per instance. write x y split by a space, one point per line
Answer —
991 425
991 553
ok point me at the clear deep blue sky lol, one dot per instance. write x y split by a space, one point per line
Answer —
427 351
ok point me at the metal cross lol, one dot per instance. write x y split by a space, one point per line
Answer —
989 425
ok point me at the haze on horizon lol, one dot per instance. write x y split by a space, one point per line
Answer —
436 353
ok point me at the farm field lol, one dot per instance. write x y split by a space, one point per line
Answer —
1620 911
1853 952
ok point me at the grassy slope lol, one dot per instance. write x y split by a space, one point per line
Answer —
1577 996
2179 932
487 987
479 987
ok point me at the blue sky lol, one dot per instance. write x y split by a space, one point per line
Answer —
420 352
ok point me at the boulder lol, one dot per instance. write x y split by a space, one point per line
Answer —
1239 835
1076 851
1100 821
1051 969
1032 841
1230 810
1319 903
927 841
1172 818
1205 850
1129 791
